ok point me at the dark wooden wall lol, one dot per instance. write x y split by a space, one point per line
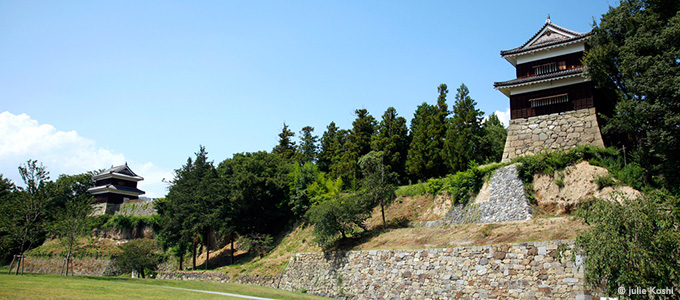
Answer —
116 181
111 198
572 60
580 97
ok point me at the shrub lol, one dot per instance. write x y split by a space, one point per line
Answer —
634 243
416 189
258 244
140 255
434 186
603 181
337 216
464 185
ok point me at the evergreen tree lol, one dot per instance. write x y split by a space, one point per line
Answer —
358 144
463 138
286 147
329 145
257 185
308 145
341 147
392 139
493 140
426 157
192 210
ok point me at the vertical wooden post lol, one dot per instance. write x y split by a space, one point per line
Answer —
10 264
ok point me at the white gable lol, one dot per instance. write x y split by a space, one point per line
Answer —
550 33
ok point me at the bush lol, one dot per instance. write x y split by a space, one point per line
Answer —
256 243
416 189
434 186
337 216
140 255
464 185
634 243
603 181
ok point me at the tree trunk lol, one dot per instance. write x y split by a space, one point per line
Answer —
193 254
68 257
206 241
141 273
232 248
382 209
181 259
21 258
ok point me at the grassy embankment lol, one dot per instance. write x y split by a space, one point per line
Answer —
49 286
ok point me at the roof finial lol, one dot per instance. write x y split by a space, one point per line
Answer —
547 21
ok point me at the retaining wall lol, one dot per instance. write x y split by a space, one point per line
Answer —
526 270
89 266
560 131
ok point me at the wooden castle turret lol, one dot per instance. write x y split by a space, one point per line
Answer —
114 187
552 101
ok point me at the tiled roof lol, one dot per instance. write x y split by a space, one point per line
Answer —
575 36
527 80
122 169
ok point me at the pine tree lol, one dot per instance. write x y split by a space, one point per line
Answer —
358 144
428 131
329 145
286 147
308 145
463 138
392 140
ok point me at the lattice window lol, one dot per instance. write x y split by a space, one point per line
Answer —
550 100
549 68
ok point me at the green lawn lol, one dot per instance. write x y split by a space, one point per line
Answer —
50 286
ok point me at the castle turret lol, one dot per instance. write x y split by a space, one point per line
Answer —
552 101
113 187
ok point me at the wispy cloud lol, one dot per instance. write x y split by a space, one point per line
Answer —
63 152
503 116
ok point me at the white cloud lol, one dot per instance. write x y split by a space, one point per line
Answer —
153 183
22 138
504 116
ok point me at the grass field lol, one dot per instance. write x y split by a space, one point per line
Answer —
50 286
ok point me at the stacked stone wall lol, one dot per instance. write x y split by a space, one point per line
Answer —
538 270
560 131
506 201
88 266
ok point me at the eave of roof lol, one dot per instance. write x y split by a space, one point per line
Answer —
538 79
545 46
115 189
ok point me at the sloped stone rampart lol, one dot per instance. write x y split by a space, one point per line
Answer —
560 131
505 201
526 270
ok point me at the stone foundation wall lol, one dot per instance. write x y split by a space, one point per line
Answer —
89 266
527 270
560 131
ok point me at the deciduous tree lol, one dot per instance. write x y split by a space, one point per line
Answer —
634 56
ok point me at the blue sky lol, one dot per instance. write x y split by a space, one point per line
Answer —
88 84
